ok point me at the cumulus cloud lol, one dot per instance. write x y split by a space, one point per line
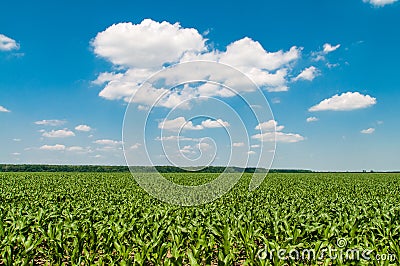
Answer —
247 53
330 65
175 138
270 125
180 123
62 133
345 102
203 146
106 77
308 74
368 131
270 131
4 110
7 44
51 122
276 100
143 108
214 123
79 149
177 124
311 119
57 147
278 137
187 149
238 144
144 48
287 137
108 142
108 145
328 48
84 128
379 3
135 146
149 44
75 148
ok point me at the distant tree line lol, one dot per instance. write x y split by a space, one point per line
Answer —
60 168
114 169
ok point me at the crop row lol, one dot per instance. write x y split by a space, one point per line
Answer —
100 218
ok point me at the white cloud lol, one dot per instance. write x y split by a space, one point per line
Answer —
268 133
187 149
345 102
177 124
308 74
135 146
238 144
278 89
311 119
255 146
318 56
106 77
180 123
62 133
124 85
16 153
176 138
288 137
108 145
251 152
75 148
109 149
17 140
143 108
328 48
7 44
276 100
108 142
79 149
379 3
270 125
52 122
142 49
278 137
329 65
4 110
149 44
85 128
214 123
57 147
368 131
204 146
248 53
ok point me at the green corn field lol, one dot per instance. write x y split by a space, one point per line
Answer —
107 219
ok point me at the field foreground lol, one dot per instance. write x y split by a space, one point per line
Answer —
87 218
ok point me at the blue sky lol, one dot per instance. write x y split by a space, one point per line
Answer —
65 72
